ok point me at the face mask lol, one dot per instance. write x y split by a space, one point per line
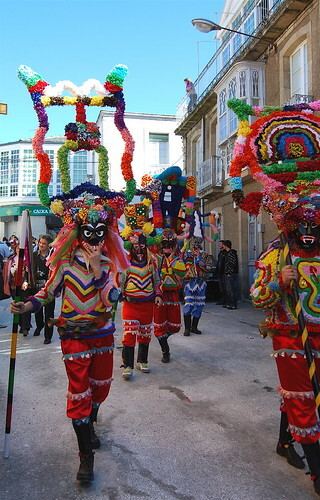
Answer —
307 235
139 252
92 233
167 247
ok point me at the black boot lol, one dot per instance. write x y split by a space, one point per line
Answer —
127 358
142 359
163 341
312 453
187 324
85 472
194 327
285 446
95 441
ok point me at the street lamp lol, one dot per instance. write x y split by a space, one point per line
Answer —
204 25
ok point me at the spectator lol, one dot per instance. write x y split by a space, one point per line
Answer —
220 274
231 270
9 274
191 93
41 274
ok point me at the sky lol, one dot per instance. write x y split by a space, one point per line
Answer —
77 40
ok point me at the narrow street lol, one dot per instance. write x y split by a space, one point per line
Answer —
204 426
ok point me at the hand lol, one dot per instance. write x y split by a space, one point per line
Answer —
94 254
17 307
289 273
158 301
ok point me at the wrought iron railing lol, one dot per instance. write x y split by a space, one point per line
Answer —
216 67
210 173
299 98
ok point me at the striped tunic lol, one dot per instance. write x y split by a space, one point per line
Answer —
141 282
84 296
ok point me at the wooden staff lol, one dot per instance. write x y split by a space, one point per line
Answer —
15 325
302 325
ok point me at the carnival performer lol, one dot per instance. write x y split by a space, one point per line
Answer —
87 253
141 294
282 150
167 318
195 285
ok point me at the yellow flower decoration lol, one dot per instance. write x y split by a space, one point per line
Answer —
69 100
67 219
147 202
57 207
83 214
45 101
147 228
72 144
244 128
96 101
125 233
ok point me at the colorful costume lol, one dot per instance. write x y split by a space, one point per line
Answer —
167 317
268 292
88 252
282 150
141 288
198 265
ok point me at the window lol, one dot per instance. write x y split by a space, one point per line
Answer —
255 83
249 24
198 153
14 190
79 167
159 148
29 171
263 10
3 191
242 84
14 169
4 167
29 190
226 56
223 114
299 71
232 91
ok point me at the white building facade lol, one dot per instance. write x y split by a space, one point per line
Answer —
156 148
156 145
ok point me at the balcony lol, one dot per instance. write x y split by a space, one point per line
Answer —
210 175
298 99
271 22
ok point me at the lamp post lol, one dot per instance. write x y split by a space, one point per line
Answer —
205 25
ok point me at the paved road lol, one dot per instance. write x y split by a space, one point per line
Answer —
205 426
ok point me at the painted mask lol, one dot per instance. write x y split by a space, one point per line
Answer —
92 233
307 235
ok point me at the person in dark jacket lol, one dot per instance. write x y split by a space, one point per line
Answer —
231 270
41 274
220 274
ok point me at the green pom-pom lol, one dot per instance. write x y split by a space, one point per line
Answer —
127 245
130 190
240 108
43 194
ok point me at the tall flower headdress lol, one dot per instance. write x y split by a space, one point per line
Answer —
81 134
282 150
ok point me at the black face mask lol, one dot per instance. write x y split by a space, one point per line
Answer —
93 233
139 252
307 235
167 246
